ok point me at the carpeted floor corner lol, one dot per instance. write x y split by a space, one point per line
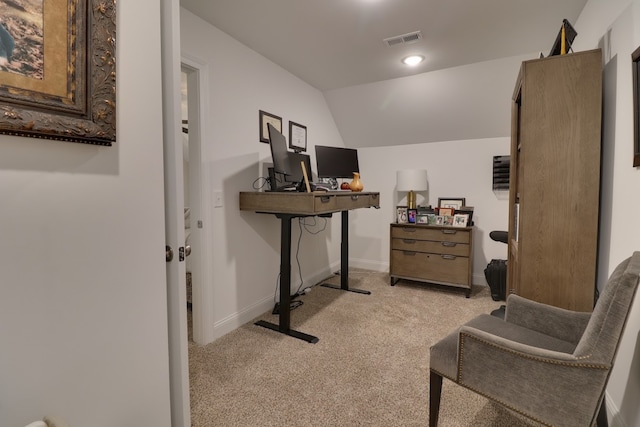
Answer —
369 368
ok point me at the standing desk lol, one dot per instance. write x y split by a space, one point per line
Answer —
289 205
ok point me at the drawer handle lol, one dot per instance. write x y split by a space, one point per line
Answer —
374 196
449 244
409 241
409 230
325 199
410 253
449 257
449 231
354 197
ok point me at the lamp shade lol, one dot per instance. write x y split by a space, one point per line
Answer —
411 180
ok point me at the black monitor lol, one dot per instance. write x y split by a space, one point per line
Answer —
279 152
295 172
336 162
287 170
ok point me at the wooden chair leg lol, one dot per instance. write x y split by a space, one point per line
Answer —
602 420
435 389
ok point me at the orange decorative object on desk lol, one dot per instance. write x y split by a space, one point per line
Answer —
356 184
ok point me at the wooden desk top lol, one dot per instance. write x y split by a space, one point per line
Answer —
315 203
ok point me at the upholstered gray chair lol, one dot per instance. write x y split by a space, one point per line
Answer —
544 362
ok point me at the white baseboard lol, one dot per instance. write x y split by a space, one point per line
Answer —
234 321
613 413
479 279
368 265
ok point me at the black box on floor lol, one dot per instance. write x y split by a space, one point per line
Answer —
496 275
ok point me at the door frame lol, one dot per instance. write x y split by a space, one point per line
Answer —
174 215
199 191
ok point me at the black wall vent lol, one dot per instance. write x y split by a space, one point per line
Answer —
501 172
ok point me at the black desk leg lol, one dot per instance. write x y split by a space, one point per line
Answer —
344 259
285 285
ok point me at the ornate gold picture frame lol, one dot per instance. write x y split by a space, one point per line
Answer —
69 94
635 62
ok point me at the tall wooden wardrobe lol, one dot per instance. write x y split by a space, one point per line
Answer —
554 183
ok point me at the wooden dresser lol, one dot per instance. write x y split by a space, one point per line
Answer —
433 254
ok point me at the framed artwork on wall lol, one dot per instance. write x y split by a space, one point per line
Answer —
297 137
58 71
264 119
635 63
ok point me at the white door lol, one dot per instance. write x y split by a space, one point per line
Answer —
174 215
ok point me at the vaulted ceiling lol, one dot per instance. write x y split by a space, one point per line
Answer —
332 44
337 46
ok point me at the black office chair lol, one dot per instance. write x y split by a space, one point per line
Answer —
496 271
499 236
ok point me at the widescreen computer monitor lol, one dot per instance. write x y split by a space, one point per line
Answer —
336 162
286 164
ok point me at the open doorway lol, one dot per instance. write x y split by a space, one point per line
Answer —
193 201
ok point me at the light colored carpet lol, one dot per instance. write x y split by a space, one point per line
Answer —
370 367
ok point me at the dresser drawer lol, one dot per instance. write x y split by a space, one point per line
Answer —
447 248
430 267
431 233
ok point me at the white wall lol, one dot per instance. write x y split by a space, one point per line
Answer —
614 26
244 247
83 323
454 169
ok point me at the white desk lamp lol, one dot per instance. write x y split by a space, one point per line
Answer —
411 180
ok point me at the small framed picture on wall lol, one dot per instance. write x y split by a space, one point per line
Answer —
264 119
297 137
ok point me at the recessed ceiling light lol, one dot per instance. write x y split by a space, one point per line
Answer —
413 60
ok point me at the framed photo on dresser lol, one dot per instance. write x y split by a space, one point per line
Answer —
460 220
401 215
451 202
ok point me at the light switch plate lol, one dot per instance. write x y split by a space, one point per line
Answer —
217 199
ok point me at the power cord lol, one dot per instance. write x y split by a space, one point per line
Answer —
297 303
293 303
260 182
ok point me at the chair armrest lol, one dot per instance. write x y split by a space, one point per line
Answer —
560 323
514 347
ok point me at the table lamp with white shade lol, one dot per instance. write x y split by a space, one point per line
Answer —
411 180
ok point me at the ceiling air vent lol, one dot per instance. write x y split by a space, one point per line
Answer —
403 39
